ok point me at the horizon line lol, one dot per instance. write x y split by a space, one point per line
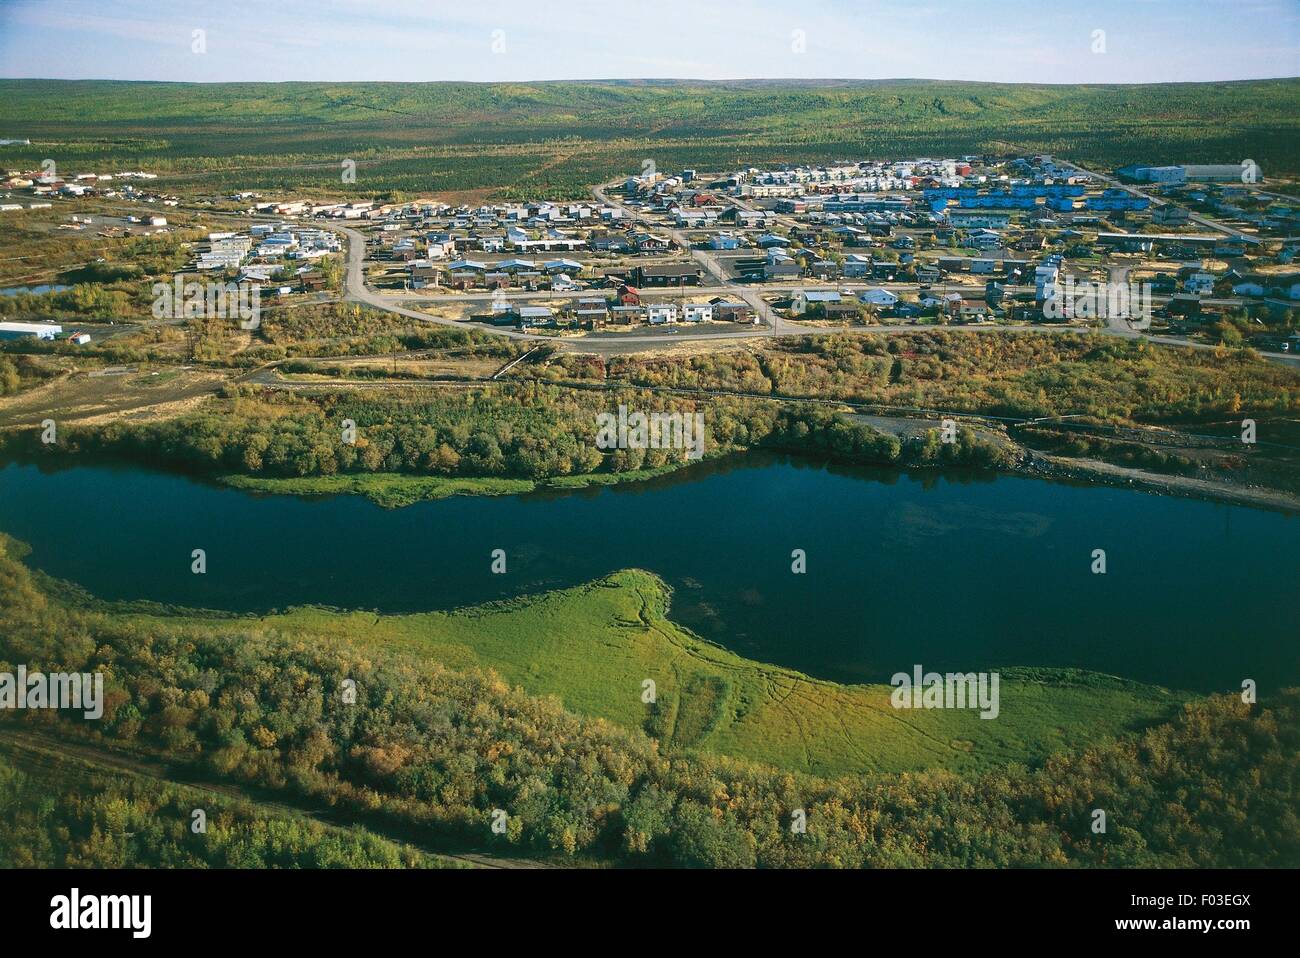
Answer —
661 80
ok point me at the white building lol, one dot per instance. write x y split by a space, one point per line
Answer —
877 297
661 313
32 330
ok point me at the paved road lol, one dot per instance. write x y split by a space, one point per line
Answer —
613 343
355 289
1161 201
710 263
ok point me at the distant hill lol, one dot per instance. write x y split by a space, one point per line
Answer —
522 137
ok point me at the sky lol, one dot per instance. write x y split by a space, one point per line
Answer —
1032 41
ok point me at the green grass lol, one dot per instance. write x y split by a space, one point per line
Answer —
393 490
593 646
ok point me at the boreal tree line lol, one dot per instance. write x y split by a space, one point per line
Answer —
107 820
524 430
437 752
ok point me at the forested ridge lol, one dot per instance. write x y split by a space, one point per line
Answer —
528 139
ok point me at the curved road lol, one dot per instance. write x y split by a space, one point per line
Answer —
355 289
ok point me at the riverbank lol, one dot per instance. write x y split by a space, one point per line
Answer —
1040 465
593 647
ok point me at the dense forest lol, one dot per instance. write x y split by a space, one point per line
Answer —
436 751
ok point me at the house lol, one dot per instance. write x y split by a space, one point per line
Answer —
1230 247
592 313
983 239
516 266
423 274
697 312
603 241
825 269
724 241
626 314
535 315
975 311
849 310
1046 279
649 243
562 266
781 266
79 339
736 312
467 266
814 300
696 218
667 274
658 313
1170 215
928 274
1199 283
856 265
877 297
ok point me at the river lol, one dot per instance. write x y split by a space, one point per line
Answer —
945 571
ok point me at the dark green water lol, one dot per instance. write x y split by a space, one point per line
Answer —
946 572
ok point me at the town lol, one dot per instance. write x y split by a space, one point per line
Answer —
970 240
